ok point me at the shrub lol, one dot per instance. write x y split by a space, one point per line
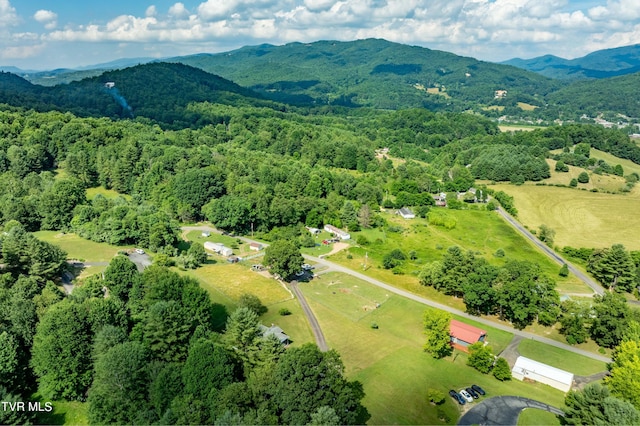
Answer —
499 253
362 240
374 325
284 312
435 396
564 270
583 177
501 370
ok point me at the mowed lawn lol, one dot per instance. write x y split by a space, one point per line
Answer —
536 417
580 218
80 248
390 362
560 358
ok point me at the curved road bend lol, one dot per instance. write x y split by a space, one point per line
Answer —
503 410
339 268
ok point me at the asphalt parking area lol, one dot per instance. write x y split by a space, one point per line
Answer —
502 410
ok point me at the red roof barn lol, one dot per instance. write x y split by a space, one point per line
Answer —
463 335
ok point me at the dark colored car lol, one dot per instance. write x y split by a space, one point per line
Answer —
455 395
473 393
478 389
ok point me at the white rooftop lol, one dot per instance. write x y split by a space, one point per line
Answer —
525 364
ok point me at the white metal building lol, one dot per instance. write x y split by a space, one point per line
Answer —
526 368
218 248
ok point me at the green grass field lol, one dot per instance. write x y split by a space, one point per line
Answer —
480 231
79 248
605 183
65 413
107 193
580 218
560 358
535 417
389 361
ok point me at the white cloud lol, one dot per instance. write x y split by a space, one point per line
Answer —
179 11
151 11
46 17
216 9
8 15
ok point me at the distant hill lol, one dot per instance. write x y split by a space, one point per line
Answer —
159 91
597 65
374 73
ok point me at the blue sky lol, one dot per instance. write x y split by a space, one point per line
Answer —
40 34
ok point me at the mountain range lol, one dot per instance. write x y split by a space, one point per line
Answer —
365 73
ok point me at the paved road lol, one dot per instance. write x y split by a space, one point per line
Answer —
503 410
313 322
549 252
339 268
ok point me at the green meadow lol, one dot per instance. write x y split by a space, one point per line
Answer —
390 362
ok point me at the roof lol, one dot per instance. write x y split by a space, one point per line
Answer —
276 331
255 245
465 332
405 211
531 366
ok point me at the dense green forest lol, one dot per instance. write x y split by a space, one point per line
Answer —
194 147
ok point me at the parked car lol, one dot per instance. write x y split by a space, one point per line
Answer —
455 395
473 393
139 251
299 273
478 389
307 267
466 395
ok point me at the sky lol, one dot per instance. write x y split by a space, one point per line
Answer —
48 34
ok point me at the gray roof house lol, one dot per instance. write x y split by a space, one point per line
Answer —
276 331
406 213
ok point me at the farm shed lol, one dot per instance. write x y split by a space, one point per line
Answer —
406 213
343 235
218 248
526 368
205 234
463 335
276 331
255 246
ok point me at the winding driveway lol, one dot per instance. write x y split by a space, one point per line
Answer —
503 410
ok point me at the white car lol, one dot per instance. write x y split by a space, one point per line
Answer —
139 251
466 395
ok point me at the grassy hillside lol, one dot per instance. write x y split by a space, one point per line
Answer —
580 218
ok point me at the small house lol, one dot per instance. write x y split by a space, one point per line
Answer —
218 248
255 246
463 335
313 231
275 331
343 235
526 368
406 213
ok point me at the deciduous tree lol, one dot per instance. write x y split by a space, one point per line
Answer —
437 329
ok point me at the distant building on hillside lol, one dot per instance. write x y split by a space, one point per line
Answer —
499 94
218 248
464 335
343 235
109 85
406 213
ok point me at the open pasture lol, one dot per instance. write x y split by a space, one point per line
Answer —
390 362
580 218
479 231
80 248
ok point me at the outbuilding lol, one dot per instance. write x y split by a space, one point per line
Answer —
255 246
529 369
343 235
406 213
218 248
276 331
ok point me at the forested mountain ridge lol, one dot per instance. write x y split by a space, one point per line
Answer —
158 91
373 72
596 65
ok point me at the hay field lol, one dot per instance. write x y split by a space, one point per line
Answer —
580 218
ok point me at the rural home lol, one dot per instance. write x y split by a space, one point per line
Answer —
406 213
463 335
255 246
526 368
441 199
276 331
218 248
500 94
343 235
